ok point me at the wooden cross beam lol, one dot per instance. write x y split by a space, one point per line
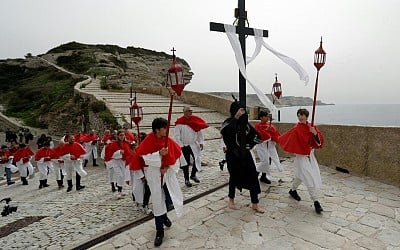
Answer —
242 31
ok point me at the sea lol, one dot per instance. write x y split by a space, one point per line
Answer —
381 115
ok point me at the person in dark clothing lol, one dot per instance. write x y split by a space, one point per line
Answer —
8 134
28 136
42 139
240 163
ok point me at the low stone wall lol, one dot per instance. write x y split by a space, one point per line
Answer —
204 100
7 123
364 151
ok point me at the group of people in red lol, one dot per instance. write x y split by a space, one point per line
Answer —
64 160
150 163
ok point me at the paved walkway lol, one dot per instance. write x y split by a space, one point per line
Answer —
359 213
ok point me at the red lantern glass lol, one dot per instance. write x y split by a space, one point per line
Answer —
136 113
175 76
319 57
277 88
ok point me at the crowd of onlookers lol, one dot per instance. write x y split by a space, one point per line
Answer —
23 135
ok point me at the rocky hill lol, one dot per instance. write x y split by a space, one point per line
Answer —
41 95
118 65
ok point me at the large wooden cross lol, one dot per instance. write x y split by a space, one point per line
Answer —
243 32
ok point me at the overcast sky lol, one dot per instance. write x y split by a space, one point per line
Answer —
361 38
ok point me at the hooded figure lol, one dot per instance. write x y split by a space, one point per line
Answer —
240 163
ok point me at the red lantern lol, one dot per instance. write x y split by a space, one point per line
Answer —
136 112
319 57
175 76
319 62
277 88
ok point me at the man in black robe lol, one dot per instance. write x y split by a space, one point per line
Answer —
240 163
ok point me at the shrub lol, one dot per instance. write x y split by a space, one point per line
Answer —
97 106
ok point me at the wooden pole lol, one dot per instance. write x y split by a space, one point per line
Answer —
315 100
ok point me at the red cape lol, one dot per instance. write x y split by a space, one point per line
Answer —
299 139
106 138
44 152
78 137
136 162
114 146
22 153
129 137
75 149
89 137
4 156
267 133
153 144
195 122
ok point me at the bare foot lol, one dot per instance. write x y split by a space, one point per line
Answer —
257 208
231 204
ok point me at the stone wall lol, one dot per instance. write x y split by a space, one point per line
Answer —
204 100
364 151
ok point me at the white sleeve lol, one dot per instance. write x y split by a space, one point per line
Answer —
200 137
117 155
153 159
178 134
66 157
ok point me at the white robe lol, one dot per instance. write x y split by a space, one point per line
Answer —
57 167
25 169
266 150
184 136
138 184
89 148
73 166
154 181
307 170
8 165
117 164
44 167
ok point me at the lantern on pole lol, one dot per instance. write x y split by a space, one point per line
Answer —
319 62
130 98
276 89
136 114
276 94
175 76
175 85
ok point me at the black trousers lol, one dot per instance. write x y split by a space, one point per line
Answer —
187 152
232 190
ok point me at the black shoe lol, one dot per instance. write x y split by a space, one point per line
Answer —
294 195
159 238
318 208
11 182
167 222
195 179
265 180
221 165
69 189
113 190
80 187
188 184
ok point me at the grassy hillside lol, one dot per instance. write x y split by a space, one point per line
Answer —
30 89
42 96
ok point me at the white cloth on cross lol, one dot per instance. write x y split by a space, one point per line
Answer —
258 38
234 40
